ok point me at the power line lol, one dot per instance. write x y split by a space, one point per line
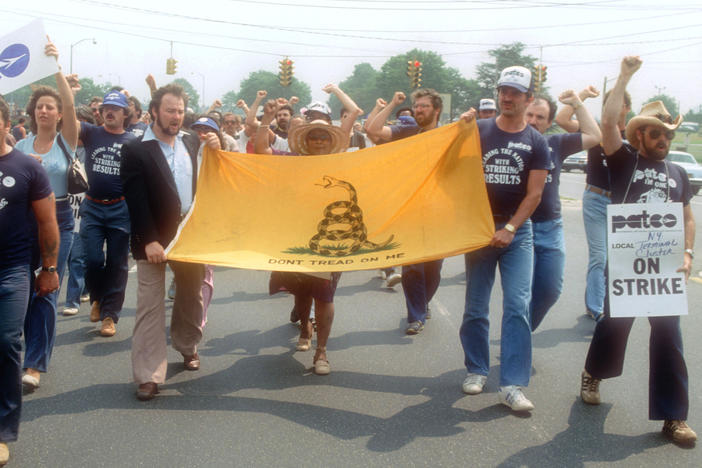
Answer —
511 29
512 5
331 34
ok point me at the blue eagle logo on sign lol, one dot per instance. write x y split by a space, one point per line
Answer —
14 60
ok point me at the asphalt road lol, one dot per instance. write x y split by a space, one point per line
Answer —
391 400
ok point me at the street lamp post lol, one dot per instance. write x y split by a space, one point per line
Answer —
75 44
204 103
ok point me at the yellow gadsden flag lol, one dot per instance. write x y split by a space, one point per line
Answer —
409 201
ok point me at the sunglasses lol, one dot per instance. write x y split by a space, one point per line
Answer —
319 136
656 133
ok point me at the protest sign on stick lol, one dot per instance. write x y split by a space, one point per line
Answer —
22 57
645 247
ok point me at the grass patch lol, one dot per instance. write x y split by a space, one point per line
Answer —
307 251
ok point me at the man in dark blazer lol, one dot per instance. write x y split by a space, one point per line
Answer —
159 175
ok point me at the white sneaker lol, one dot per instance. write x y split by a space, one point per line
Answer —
474 384
85 298
70 310
31 382
512 396
393 280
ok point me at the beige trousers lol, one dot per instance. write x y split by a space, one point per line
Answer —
149 340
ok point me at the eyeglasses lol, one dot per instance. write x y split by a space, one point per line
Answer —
229 122
656 133
319 136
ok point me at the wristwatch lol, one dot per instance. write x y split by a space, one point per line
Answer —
690 252
510 228
50 269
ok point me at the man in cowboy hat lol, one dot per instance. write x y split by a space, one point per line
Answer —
650 134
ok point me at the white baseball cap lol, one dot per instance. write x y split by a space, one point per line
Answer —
515 77
487 104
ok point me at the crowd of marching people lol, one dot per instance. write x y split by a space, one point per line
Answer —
142 171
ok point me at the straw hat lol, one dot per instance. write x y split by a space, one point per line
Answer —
653 113
297 138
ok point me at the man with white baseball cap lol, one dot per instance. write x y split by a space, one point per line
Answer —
515 163
487 109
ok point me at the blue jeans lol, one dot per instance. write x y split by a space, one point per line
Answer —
106 270
516 262
419 283
549 265
40 322
75 287
14 295
595 219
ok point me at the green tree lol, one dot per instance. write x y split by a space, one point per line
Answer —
669 102
694 115
361 86
193 96
89 89
487 73
229 102
20 97
268 81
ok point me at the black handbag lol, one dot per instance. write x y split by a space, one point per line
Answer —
77 178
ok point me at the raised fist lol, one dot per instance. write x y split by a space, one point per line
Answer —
589 92
630 65
570 98
398 98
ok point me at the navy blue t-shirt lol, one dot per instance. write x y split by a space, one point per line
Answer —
646 180
507 160
22 181
560 145
137 129
102 160
406 128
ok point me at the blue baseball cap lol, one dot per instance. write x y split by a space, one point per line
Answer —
115 98
205 122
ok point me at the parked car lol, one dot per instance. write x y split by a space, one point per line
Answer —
576 161
691 166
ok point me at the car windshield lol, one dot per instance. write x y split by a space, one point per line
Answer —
681 157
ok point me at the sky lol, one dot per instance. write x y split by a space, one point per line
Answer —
219 42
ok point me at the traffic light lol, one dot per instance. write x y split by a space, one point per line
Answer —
286 72
414 71
171 66
539 77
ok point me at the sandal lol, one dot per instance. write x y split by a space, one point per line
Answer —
321 366
303 344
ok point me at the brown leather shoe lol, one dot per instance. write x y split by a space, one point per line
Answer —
191 362
95 312
147 391
108 327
